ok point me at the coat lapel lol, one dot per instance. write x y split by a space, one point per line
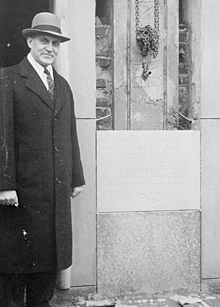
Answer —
34 82
58 92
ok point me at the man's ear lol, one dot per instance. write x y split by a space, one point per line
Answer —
29 41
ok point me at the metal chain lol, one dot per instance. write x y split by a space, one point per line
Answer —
183 11
147 37
137 17
156 15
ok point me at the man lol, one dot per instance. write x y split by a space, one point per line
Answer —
40 168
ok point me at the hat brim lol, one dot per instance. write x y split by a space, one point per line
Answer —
29 32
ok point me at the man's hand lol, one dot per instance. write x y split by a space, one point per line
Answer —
76 191
8 198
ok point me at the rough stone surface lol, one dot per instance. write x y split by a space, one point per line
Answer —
102 102
103 62
71 298
103 77
101 31
147 116
66 298
148 252
211 285
100 83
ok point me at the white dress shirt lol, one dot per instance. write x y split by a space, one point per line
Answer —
40 69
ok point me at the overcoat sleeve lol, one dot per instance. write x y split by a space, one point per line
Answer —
7 161
77 170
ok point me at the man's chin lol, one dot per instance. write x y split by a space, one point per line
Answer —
47 61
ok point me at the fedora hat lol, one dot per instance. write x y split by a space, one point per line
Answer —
45 23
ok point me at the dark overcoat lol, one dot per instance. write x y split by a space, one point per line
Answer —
40 159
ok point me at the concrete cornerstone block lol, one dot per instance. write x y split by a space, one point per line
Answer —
148 252
148 170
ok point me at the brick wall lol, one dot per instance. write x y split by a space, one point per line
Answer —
103 75
184 78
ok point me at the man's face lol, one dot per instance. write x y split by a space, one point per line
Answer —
44 48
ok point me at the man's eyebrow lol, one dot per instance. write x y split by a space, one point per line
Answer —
44 37
48 38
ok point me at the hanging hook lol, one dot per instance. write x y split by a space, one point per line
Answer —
146 72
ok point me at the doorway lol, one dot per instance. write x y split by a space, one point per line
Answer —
16 15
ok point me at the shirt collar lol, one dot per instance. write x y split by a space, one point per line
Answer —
39 68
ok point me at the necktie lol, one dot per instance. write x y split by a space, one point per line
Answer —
50 83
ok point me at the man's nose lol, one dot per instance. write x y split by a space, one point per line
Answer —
49 46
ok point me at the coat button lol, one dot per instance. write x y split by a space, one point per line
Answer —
58 181
56 149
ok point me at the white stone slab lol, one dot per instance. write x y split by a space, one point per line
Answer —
210 195
148 170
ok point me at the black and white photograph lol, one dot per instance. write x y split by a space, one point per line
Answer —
109 153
